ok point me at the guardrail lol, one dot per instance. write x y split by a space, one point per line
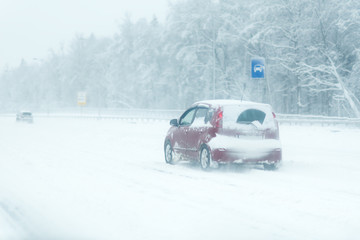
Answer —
317 120
130 114
164 114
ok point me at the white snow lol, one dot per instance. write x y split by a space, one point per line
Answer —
107 179
231 102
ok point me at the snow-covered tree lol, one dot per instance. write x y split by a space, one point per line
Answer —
203 50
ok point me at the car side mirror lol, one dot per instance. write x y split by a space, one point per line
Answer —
174 122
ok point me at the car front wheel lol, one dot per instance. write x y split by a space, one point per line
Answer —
168 153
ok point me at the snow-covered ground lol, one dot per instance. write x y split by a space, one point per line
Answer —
107 179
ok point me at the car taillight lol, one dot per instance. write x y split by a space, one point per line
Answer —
274 115
219 119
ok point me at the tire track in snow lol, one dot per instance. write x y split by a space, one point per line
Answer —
16 221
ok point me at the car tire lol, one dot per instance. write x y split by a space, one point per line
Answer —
169 153
270 167
205 158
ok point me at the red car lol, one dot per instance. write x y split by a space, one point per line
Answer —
225 131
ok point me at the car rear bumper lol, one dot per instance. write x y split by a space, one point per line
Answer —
222 155
29 120
245 150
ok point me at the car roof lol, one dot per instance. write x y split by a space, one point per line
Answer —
228 102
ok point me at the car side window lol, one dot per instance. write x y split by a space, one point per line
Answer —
200 116
187 118
209 115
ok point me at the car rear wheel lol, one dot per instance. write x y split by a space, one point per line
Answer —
168 153
205 158
270 167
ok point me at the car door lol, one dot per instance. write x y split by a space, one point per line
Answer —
196 131
180 135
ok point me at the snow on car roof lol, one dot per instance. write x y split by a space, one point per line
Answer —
223 102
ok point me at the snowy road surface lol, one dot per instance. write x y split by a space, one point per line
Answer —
91 179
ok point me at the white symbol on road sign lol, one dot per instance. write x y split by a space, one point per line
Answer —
258 68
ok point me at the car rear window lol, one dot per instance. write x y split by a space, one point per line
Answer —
236 116
251 115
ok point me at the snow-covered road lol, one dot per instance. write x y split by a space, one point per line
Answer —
107 179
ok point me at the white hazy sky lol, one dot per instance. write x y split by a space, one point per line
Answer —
30 28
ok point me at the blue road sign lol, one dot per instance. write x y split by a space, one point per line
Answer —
258 68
